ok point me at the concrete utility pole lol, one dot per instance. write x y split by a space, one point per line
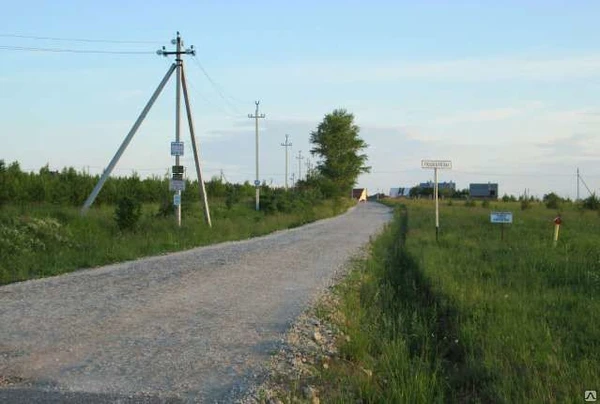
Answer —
577 183
307 167
293 180
256 116
177 182
300 158
286 145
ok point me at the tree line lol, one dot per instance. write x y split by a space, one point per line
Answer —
335 142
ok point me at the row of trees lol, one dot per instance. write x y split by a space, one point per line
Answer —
335 142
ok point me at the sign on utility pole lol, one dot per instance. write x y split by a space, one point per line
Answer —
435 164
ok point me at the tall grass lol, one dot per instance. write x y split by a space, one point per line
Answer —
472 318
44 240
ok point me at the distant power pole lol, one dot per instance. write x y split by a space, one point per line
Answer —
577 183
300 158
286 145
256 116
293 180
307 167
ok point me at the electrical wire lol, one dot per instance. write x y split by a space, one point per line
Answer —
217 88
50 38
62 50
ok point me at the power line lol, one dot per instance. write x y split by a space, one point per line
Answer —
63 50
50 38
217 88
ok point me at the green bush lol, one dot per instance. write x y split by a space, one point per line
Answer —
128 213
485 204
166 208
525 204
591 203
470 203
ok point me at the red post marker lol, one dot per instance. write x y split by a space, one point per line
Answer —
557 223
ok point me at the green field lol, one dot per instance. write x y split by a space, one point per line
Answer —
38 240
472 318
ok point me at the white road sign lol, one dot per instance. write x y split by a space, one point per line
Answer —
436 164
501 217
176 148
176 185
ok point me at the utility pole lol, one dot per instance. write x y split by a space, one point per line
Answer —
286 145
300 158
256 117
293 180
577 183
177 183
307 168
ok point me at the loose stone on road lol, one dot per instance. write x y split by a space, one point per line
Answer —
193 326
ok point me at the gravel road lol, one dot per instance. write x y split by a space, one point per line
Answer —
193 326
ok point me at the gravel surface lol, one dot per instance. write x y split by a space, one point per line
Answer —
193 326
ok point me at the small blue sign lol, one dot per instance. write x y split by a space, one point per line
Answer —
256 183
176 199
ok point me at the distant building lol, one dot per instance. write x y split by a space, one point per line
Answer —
400 192
483 191
360 194
441 185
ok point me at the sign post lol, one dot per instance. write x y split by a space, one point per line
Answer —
502 218
435 164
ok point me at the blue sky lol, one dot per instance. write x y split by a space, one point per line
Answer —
509 91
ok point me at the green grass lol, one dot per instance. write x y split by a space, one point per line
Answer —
471 318
45 240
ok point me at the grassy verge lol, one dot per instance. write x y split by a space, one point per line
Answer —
471 318
45 240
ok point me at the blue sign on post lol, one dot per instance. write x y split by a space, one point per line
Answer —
256 183
176 199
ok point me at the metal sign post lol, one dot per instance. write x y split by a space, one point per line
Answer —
436 164
502 218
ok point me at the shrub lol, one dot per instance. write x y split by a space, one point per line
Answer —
127 213
525 204
552 200
485 203
470 203
592 202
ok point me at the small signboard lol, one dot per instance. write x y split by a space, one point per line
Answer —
176 199
176 185
177 169
176 148
436 164
501 217
256 183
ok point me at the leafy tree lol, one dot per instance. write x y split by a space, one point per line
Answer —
592 202
336 141
552 200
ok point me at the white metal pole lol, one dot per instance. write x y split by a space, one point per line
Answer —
437 207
